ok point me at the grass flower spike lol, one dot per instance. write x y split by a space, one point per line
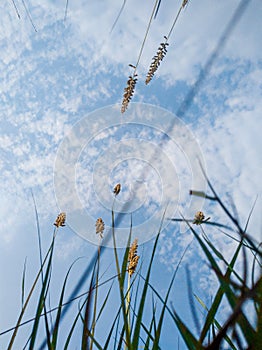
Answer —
117 189
161 52
100 226
132 258
60 220
128 92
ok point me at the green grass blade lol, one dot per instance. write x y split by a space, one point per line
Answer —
215 323
23 285
58 315
188 337
160 324
218 297
246 328
116 319
27 301
86 332
137 328
121 280
42 297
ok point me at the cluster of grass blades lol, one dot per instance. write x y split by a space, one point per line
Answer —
133 326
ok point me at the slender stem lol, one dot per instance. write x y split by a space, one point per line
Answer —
95 301
147 30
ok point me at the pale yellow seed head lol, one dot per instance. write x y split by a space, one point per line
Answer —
199 218
100 226
132 258
60 220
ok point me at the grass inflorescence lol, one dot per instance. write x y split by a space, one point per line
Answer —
133 326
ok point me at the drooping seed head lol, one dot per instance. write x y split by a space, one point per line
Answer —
156 60
128 91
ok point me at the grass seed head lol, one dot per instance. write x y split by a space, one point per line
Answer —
100 226
60 220
184 3
132 258
199 218
128 92
156 60
117 189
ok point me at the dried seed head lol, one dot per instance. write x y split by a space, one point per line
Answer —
100 226
184 3
117 189
132 258
199 218
128 92
161 52
60 220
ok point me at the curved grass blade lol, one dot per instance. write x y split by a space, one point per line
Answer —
188 337
160 324
42 297
244 324
58 315
26 303
215 323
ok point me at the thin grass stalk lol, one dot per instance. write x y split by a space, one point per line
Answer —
115 323
190 339
23 285
219 295
245 325
131 82
29 16
16 10
160 323
86 333
48 337
59 309
95 298
128 300
191 301
26 302
121 279
162 49
214 324
137 328
146 34
66 10
252 338
42 297
118 16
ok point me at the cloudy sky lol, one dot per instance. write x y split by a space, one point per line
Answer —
64 138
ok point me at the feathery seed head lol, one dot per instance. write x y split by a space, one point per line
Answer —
60 220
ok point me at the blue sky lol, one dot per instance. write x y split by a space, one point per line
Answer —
66 81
